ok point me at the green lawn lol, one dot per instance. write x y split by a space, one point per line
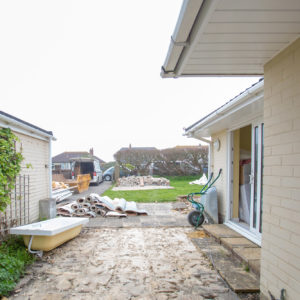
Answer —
181 187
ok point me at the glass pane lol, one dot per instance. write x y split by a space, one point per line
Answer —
255 174
261 182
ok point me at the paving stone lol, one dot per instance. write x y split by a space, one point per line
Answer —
240 282
248 254
238 242
228 266
255 266
220 231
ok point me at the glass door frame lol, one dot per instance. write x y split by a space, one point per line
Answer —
256 177
252 233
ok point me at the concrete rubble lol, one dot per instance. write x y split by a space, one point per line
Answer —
95 205
142 181
134 263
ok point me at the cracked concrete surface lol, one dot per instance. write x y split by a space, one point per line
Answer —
124 263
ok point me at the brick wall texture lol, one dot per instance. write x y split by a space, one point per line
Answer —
280 261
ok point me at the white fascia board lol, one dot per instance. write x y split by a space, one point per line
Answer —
249 96
204 14
19 127
179 39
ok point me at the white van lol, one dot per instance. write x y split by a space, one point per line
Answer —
87 166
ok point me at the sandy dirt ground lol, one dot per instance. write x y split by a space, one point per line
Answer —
124 263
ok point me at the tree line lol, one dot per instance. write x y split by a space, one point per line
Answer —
180 160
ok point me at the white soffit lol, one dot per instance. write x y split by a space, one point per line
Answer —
231 37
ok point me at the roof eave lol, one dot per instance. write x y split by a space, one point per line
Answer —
194 14
242 99
22 127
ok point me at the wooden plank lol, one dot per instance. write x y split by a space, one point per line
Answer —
259 4
243 27
218 47
226 61
254 16
224 69
231 54
248 38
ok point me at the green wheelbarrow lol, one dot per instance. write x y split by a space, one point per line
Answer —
196 216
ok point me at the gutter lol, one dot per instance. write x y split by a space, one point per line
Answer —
179 39
22 128
236 102
50 167
194 15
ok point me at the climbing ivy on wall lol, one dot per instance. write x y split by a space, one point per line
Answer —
10 165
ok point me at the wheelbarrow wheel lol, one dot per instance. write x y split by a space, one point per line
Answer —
196 218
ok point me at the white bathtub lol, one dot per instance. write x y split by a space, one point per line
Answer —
49 234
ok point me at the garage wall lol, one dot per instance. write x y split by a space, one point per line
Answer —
219 161
280 260
36 153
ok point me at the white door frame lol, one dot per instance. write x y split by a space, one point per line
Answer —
251 233
257 178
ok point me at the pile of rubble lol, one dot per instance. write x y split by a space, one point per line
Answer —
94 205
142 181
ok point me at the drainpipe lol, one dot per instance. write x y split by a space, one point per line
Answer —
50 167
209 159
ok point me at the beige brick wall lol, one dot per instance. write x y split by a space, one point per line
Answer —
36 153
219 161
280 261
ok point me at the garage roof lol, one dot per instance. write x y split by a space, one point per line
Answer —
230 37
21 126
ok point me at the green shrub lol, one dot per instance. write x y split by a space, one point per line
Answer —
14 258
10 165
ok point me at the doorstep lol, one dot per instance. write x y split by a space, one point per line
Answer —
245 250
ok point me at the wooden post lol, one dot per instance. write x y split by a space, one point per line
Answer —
117 173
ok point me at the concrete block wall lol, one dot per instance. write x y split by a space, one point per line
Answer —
219 161
36 153
280 260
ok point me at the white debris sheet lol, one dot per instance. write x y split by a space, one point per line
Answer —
95 204
202 181
61 191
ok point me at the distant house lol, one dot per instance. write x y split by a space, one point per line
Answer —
34 182
134 155
62 161
137 148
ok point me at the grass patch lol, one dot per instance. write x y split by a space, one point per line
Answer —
13 260
181 187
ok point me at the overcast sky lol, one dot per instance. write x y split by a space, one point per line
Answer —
90 72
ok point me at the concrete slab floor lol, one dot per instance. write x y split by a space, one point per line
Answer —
136 263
